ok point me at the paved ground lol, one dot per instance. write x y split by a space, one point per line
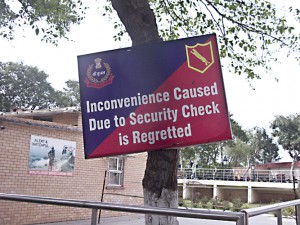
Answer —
139 220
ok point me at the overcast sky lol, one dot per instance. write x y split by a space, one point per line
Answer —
249 107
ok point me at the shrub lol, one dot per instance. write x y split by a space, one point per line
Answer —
237 204
245 206
216 202
209 205
199 205
204 200
180 202
289 211
227 205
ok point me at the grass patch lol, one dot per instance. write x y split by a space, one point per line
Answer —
216 203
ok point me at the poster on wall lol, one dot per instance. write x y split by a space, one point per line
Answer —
49 156
156 96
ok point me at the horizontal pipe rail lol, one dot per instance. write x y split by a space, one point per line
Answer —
197 214
277 207
241 218
233 174
270 208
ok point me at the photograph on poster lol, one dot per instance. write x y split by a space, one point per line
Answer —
49 156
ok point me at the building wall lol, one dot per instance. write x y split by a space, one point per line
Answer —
68 118
267 196
202 192
132 192
85 184
195 193
232 193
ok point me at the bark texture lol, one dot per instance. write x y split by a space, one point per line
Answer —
160 180
138 19
160 184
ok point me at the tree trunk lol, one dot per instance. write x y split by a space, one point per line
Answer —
160 180
160 184
293 173
138 19
294 181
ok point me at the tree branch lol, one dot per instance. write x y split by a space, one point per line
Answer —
243 25
176 17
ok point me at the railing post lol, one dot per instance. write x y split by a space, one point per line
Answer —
241 220
279 216
245 220
94 217
298 214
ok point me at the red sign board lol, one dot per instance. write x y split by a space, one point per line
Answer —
164 95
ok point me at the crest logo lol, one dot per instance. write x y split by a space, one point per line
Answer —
200 57
99 74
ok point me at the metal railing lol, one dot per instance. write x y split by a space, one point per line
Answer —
273 208
240 218
278 176
237 217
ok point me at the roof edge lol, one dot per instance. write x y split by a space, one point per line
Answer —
37 123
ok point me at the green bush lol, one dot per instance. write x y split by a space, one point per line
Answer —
204 200
237 204
180 202
289 211
209 205
227 205
245 206
199 205
216 202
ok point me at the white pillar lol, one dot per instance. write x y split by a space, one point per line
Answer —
249 194
184 189
215 191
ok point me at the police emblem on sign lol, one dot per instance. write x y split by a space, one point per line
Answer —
98 74
200 57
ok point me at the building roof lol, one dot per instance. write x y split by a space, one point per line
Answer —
20 118
42 112
277 165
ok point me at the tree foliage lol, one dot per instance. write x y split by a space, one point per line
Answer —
69 96
247 146
249 32
237 150
212 154
25 87
252 146
287 131
264 148
202 155
238 131
50 19
238 153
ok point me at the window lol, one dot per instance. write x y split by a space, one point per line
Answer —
115 171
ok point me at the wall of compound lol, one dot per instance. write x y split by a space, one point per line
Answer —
85 184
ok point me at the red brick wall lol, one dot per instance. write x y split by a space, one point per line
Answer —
85 184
